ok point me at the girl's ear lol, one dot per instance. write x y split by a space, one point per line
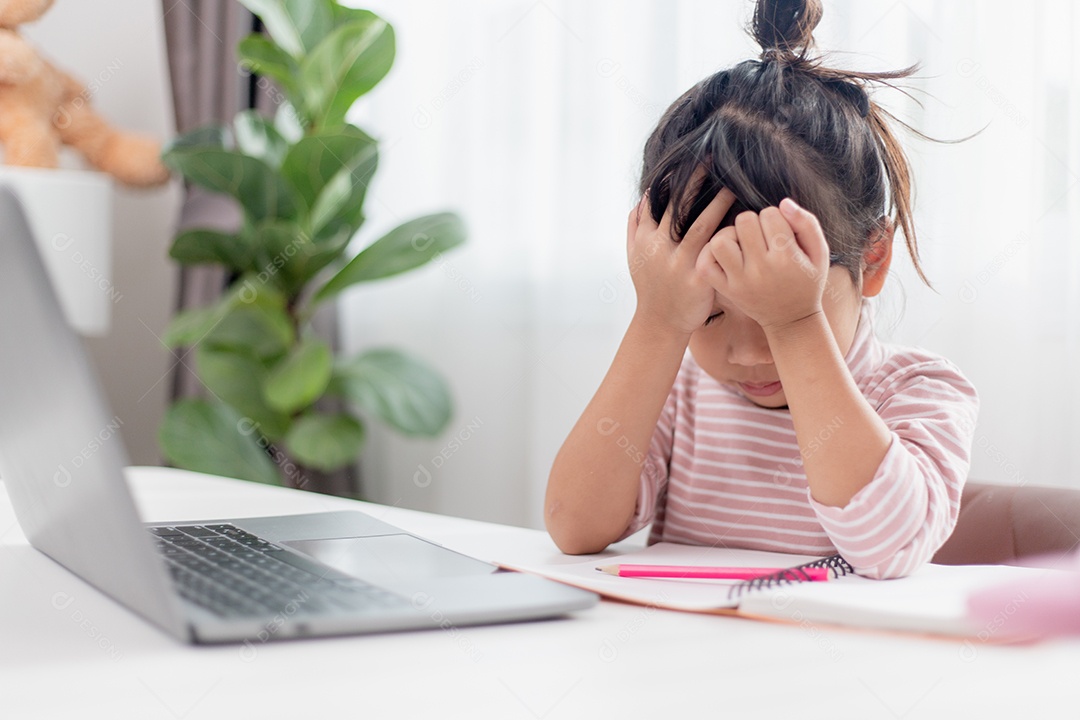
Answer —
877 258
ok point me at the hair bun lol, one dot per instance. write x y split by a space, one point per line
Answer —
786 26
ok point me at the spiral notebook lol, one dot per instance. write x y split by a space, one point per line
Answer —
931 600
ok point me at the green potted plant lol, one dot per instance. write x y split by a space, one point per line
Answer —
300 180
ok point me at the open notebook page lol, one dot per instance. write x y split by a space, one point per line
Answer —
931 600
677 594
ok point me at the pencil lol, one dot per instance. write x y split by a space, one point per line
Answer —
713 573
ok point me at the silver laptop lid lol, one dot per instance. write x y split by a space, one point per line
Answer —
61 454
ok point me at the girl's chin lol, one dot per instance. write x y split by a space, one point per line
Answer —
774 403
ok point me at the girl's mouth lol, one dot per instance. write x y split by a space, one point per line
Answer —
761 389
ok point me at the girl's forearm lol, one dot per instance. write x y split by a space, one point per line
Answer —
593 487
841 439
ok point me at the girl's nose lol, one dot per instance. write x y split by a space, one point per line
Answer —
747 344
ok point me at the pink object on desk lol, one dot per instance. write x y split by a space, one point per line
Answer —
713 573
1043 607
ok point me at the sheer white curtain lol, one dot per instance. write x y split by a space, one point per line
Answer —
528 118
1000 218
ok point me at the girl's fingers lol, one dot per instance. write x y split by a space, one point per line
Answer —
807 232
751 238
775 229
701 231
725 250
640 216
706 267
663 230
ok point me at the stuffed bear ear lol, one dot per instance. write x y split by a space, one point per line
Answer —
13 14
877 258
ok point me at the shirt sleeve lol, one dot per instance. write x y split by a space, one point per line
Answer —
908 510
656 464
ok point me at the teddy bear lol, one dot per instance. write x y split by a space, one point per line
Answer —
41 107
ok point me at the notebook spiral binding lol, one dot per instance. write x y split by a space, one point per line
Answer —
838 565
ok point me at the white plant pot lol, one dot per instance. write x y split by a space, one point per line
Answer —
70 213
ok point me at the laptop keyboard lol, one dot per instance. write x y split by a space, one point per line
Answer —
233 573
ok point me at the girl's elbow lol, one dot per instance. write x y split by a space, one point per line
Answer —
579 527
574 536
575 544
899 565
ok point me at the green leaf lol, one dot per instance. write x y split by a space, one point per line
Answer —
288 258
261 56
332 200
256 136
252 317
256 322
300 378
343 14
282 252
266 333
313 18
206 136
260 189
209 437
237 379
252 289
325 442
190 327
296 25
317 159
404 392
405 247
289 122
325 251
348 63
195 247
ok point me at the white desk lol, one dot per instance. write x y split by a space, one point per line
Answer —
67 651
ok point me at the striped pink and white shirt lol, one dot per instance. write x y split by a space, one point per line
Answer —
721 471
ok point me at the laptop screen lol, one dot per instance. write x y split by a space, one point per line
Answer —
61 452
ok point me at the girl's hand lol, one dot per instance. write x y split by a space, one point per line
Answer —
771 265
670 289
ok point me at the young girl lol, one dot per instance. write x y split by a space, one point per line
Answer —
771 192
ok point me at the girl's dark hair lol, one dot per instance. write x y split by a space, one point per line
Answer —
785 125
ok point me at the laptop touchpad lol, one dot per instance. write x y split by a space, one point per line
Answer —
391 560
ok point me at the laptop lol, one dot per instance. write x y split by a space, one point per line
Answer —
221 580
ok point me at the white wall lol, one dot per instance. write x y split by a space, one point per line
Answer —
118 47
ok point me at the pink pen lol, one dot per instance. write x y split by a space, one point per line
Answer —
713 573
